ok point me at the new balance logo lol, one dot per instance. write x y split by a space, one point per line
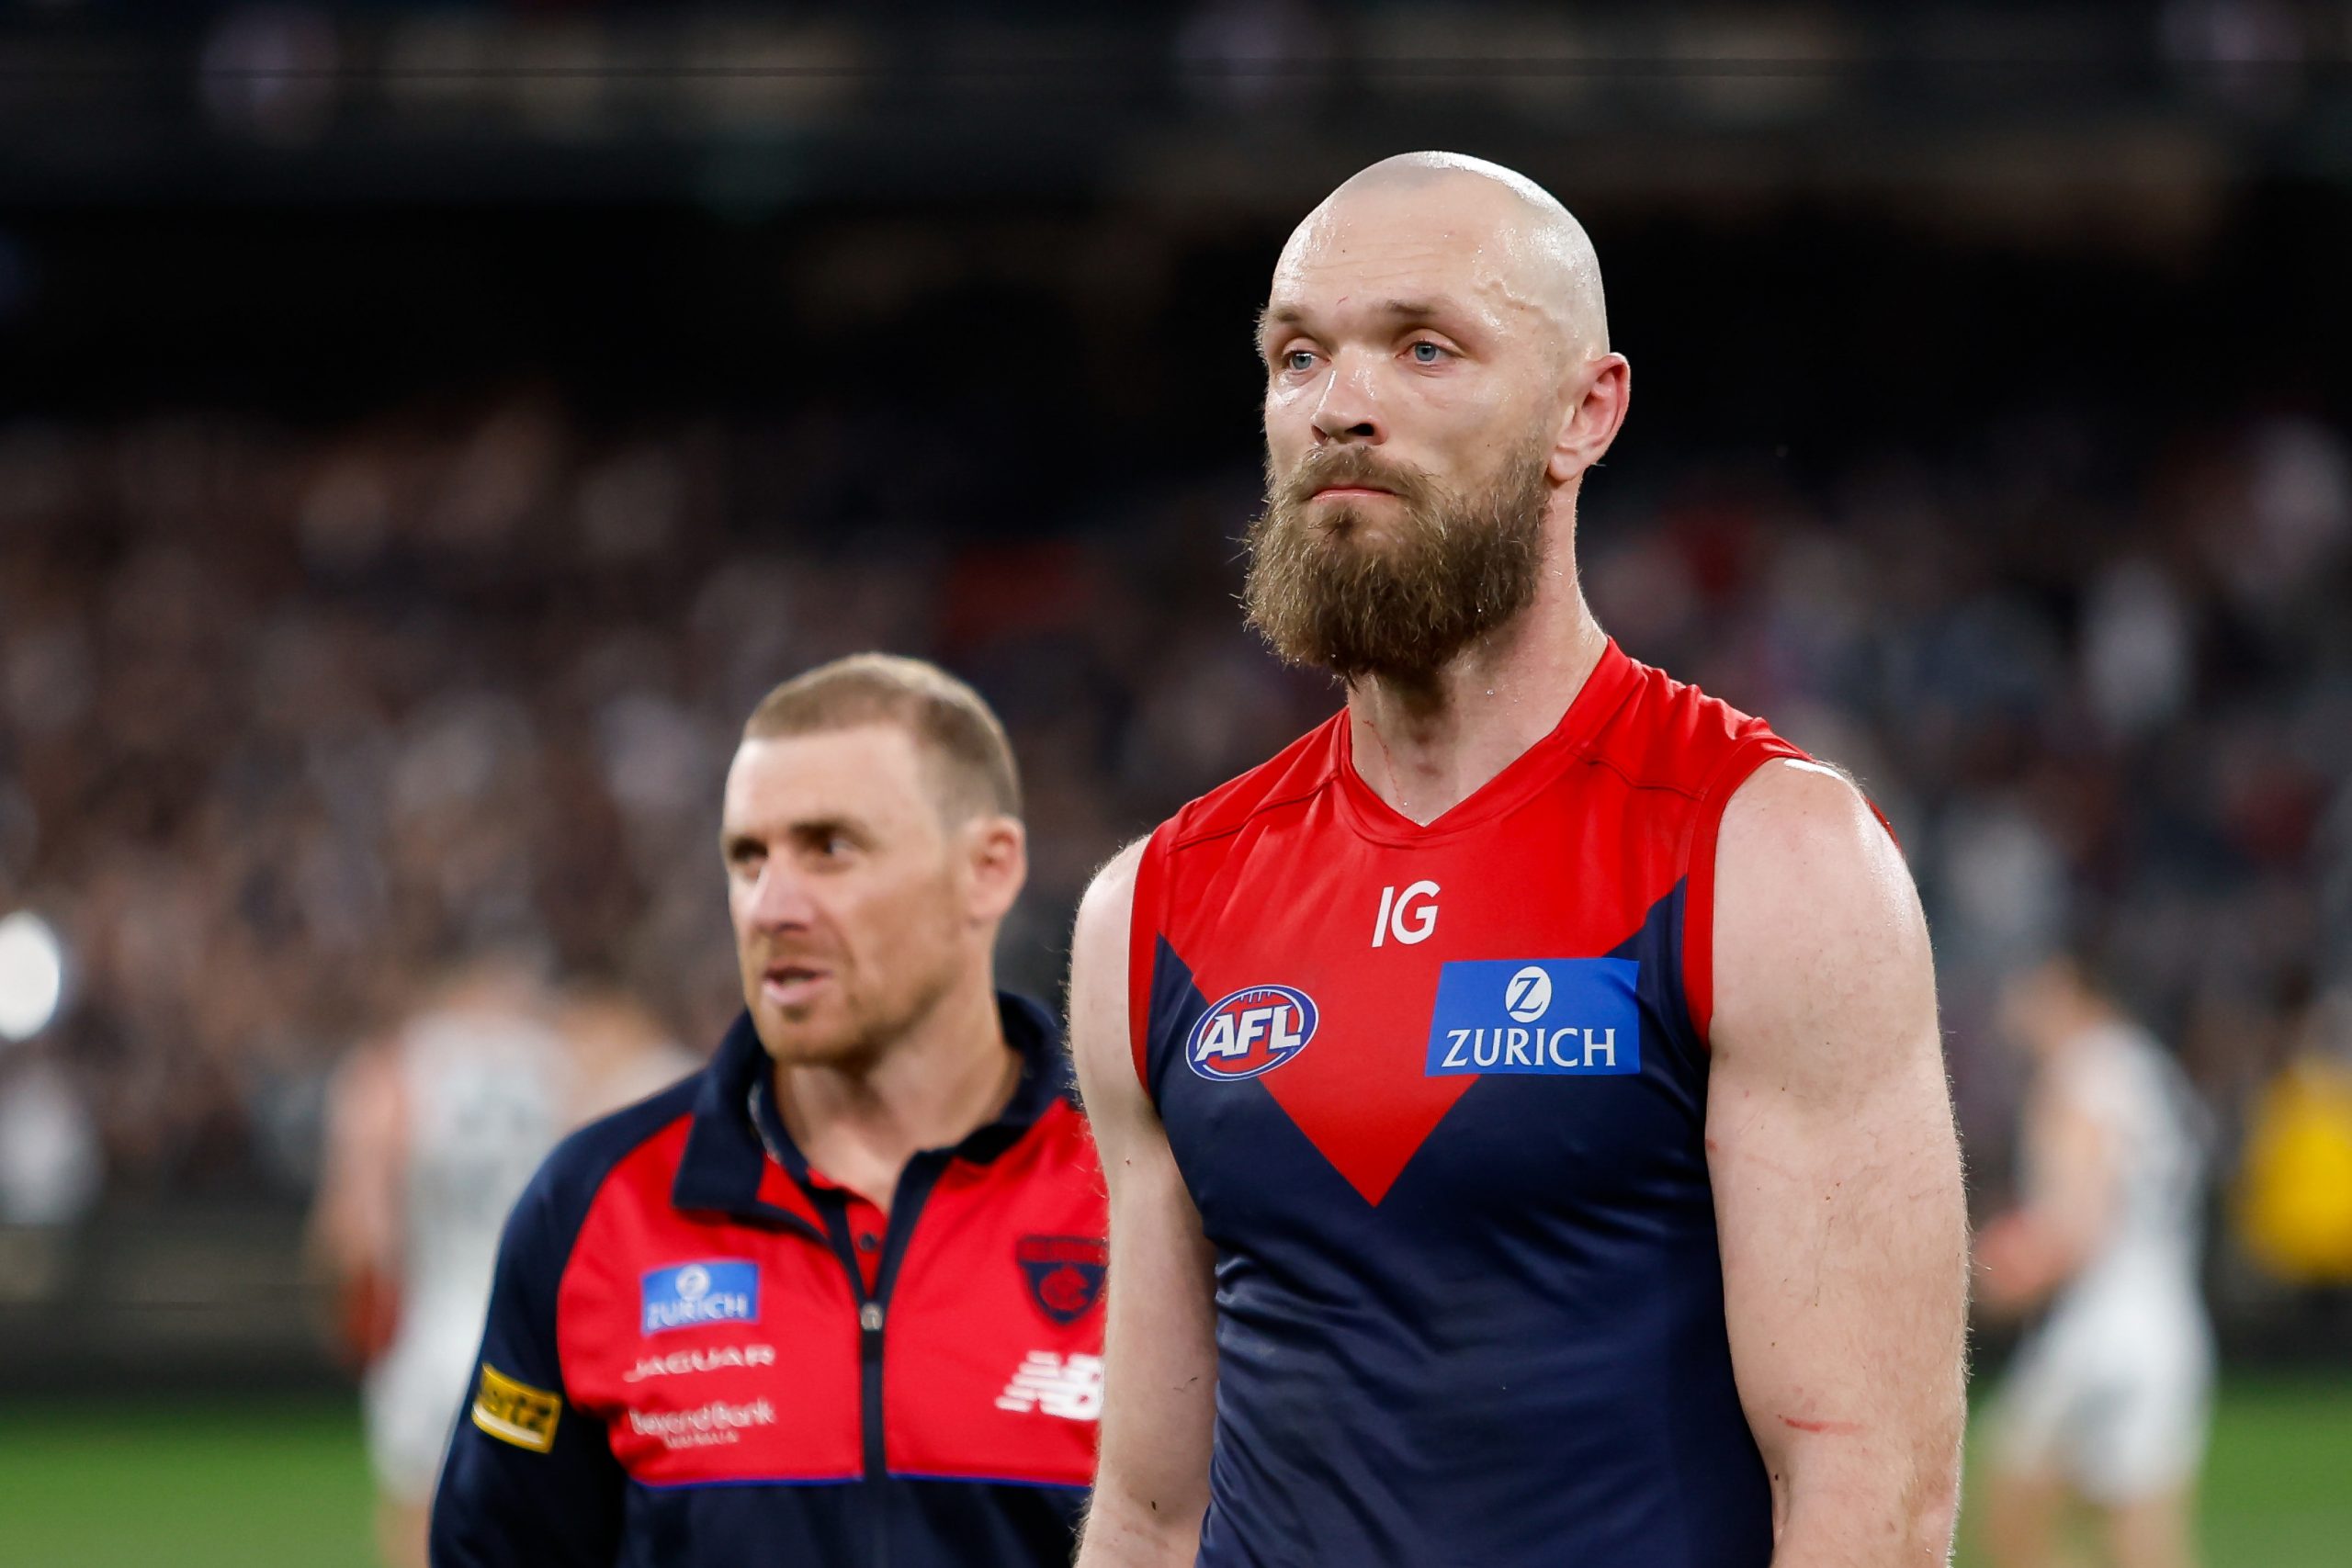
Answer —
1070 1389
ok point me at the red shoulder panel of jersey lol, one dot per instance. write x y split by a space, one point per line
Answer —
1291 774
1671 734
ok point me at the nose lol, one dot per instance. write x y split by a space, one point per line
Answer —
779 900
1349 411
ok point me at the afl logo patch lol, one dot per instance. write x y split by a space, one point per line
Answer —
1250 1031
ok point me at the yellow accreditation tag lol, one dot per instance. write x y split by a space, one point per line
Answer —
515 1411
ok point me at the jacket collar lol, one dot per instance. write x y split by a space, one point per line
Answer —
725 1165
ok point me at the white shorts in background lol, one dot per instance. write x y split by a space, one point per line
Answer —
2115 1403
412 1397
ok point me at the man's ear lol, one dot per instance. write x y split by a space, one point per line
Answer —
1593 422
996 851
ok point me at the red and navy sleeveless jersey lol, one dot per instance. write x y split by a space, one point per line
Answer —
688 1359
1438 1094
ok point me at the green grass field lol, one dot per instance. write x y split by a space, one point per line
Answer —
111 1485
99 1485
2278 1485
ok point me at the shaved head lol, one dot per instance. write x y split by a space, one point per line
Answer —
1534 251
1437 381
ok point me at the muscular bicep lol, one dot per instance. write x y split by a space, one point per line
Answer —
1159 1394
1836 1169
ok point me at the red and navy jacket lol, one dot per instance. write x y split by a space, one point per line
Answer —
700 1350
1439 1092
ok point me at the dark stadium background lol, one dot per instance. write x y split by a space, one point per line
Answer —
423 431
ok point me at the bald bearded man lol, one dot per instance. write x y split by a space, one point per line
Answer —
1521 1098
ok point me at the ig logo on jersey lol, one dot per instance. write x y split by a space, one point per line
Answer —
1250 1031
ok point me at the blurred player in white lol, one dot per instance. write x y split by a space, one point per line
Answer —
432 1133
2107 1399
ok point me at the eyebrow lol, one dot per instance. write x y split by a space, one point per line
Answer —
1401 310
730 840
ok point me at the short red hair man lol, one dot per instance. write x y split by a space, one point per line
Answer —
836 1298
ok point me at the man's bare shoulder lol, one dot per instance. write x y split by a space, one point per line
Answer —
1099 1025
1110 893
1808 814
1818 931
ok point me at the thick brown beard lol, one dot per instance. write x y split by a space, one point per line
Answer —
1458 568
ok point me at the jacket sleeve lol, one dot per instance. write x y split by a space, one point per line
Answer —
531 1478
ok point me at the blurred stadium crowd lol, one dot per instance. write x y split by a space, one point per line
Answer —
431 428
292 719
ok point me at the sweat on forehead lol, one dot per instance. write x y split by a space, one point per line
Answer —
1541 253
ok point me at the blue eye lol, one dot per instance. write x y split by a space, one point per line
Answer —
1426 353
1299 359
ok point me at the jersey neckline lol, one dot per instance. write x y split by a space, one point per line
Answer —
1612 678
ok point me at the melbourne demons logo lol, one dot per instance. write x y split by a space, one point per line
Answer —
1064 1272
1250 1031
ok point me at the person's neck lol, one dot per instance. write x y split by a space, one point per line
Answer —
1425 746
859 1122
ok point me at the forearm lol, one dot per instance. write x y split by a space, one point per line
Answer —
1125 1529
1845 1299
1859 1422
1151 1483
1874 1514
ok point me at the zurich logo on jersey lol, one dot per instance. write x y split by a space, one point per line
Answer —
1250 1031
719 1291
1555 1016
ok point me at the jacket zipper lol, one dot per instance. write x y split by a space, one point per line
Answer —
871 1317
915 1183
873 1314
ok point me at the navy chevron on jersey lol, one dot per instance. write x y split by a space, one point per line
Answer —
1439 1093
